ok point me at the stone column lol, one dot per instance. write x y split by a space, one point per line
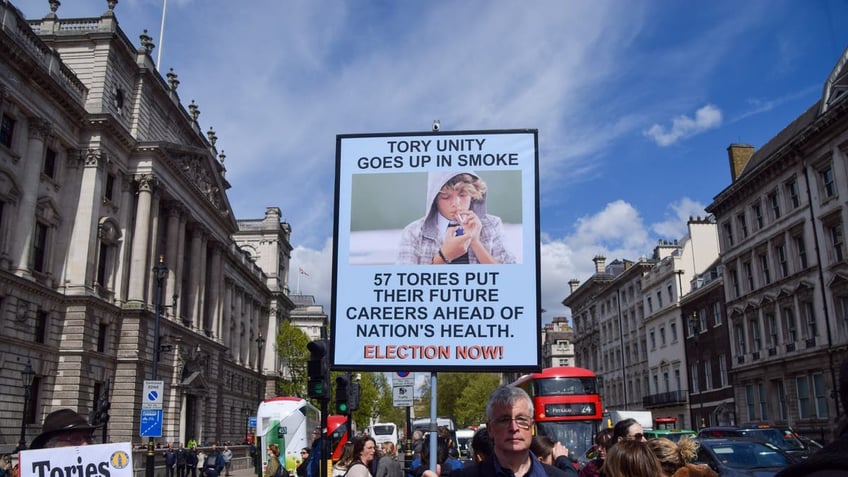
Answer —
39 130
235 340
84 241
194 277
227 314
139 266
172 253
215 280
203 310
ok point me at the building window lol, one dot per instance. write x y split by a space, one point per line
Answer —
836 242
650 306
102 337
782 408
7 130
662 335
722 370
782 261
801 250
792 191
743 225
805 410
750 404
764 267
109 235
109 192
758 215
756 338
659 300
696 386
708 375
728 234
38 257
749 275
716 313
653 340
702 320
761 393
673 328
41 326
740 339
821 396
771 325
670 294
49 169
809 319
827 184
774 200
791 328
734 282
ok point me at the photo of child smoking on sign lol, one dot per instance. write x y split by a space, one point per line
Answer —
456 227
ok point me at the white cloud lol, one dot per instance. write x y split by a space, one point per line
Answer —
708 117
676 216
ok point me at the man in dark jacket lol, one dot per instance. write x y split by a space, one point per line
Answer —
170 460
316 455
214 463
509 420
181 460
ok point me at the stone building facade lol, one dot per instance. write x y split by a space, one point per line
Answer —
782 224
112 200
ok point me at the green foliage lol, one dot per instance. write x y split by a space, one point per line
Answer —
460 395
291 348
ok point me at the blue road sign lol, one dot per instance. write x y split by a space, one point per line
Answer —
151 423
251 421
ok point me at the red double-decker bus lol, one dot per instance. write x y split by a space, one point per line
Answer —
567 406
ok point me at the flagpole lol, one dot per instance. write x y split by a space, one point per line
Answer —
161 34
298 281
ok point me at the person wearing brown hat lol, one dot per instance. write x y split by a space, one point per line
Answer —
64 428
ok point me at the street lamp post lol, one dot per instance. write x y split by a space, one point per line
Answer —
160 271
259 342
27 376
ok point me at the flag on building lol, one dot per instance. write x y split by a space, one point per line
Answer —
302 271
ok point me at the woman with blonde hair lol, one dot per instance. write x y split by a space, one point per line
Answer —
676 459
631 458
388 465
341 465
273 467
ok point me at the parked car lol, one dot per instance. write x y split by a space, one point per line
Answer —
740 456
674 435
783 437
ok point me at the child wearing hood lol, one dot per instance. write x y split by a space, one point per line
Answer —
455 228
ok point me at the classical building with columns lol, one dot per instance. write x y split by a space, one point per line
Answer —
113 200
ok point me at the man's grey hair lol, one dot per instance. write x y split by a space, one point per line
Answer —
507 395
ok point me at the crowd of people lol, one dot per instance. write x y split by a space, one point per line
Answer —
505 447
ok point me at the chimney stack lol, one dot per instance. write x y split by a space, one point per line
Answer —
573 284
739 155
600 263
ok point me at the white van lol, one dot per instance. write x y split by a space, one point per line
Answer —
384 432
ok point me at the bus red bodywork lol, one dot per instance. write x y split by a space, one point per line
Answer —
567 406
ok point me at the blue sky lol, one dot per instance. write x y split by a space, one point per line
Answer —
635 101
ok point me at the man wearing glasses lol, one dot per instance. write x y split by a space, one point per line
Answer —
509 421
64 428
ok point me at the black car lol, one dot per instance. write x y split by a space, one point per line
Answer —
782 437
739 456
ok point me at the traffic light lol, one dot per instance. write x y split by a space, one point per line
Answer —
318 386
342 390
353 396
